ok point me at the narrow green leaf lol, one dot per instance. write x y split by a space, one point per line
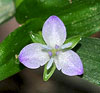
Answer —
48 73
12 45
7 10
81 17
37 37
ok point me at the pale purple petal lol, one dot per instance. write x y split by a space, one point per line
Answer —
50 63
54 31
33 56
69 63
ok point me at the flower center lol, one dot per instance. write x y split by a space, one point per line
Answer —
54 52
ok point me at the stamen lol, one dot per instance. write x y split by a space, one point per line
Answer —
56 46
57 52
66 45
50 63
50 53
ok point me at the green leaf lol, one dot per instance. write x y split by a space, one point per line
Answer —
37 37
12 45
74 40
48 73
38 8
7 10
81 17
18 2
90 55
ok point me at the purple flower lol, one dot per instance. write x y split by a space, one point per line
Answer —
54 34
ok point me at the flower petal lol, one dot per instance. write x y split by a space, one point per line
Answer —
54 31
50 63
69 63
33 56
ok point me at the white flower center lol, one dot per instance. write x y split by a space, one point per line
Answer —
54 52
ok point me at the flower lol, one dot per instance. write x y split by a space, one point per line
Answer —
54 34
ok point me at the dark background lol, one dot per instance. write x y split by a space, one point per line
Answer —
30 81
